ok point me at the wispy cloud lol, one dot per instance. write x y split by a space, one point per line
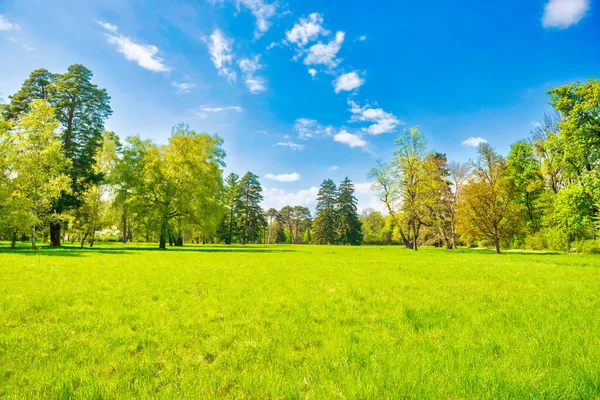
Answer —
564 13
183 87
262 11
220 49
474 141
6 25
291 145
348 82
352 140
145 55
278 198
361 38
333 168
293 177
383 122
221 109
309 128
249 66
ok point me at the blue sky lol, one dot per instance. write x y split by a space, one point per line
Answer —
306 90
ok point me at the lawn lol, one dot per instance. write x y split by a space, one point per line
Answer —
297 322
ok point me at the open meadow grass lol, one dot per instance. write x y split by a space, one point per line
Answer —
124 321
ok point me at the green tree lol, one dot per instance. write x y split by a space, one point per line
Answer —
252 219
524 172
325 223
271 215
39 164
373 223
233 204
349 226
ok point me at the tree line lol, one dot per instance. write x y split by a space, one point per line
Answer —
544 195
64 177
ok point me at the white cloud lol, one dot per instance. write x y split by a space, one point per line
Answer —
309 128
145 55
6 25
183 87
362 38
348 82
367 198
291 145
278 198
564 13
333 168
348 138
312 72
325 54
284 177
262 11
306 30
249 66
220 49
384 122
473 141
109 27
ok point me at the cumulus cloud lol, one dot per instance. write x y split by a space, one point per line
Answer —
183 87
278 198
383 122
306 30
6 25
348 82
325 54
291 145
145 55
293 177
249 66
220 49
564 13
309 128
473 141
352 140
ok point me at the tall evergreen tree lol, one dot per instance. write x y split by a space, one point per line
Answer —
349 225
252 219
229 229
324 226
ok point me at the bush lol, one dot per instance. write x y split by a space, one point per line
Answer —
586 246
556 239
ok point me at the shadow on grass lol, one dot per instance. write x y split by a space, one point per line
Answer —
76 251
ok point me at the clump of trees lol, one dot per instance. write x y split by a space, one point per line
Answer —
544 195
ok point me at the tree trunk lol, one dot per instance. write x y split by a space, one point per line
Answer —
55 234
124 222
497 244
163 234
33 247
13 240
85 235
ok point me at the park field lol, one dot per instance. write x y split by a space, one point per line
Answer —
130 321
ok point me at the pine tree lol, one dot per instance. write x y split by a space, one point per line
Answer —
324 226
229 229
349 225
252 219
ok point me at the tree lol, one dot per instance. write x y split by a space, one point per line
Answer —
181 180
301 221
285 217
233 205
458 174
489 210
349 226
325 223
373 223
524 172
252 219
39 165
271 214
81 109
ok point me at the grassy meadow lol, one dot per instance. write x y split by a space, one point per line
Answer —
125 321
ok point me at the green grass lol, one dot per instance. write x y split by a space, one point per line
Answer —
297 322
